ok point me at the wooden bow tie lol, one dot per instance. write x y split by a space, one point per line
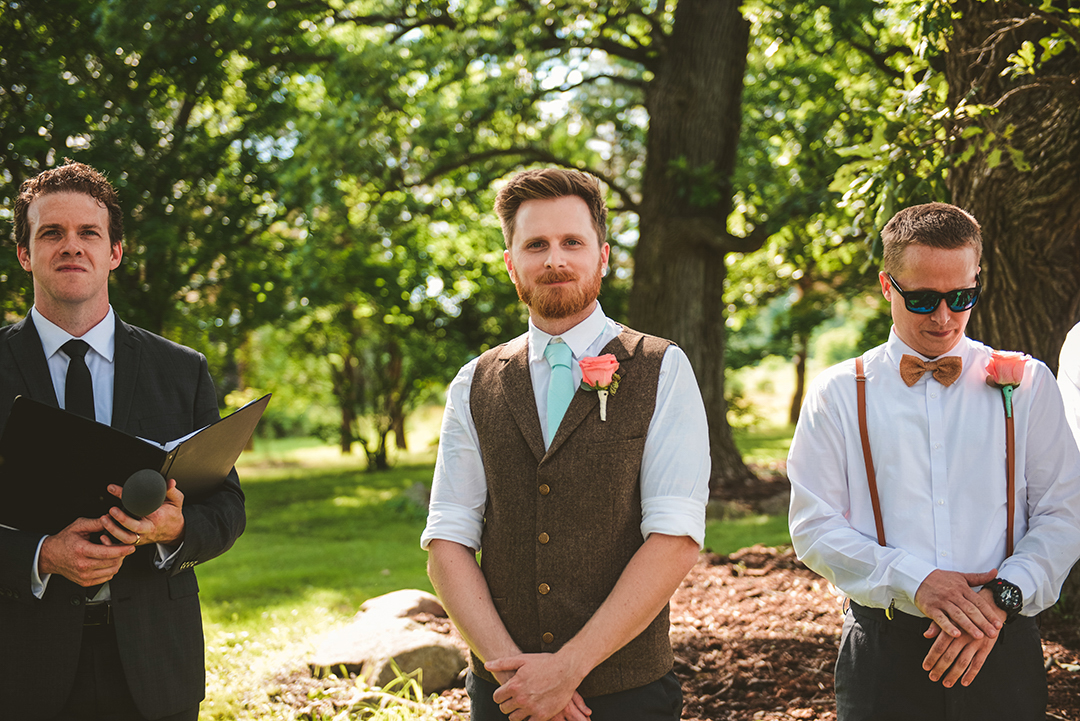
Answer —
946 370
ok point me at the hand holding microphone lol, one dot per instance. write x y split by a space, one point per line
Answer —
142 494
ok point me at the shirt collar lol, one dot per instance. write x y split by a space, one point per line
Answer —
102 337
579 338
897 349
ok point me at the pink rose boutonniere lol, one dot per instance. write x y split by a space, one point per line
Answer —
1005 370
598 374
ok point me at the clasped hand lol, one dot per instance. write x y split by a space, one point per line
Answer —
537 687
965 624
72 554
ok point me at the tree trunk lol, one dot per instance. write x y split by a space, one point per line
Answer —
694 105
802 343
348 420
1030 220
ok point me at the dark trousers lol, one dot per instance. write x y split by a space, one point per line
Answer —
660 700
101 692
879 674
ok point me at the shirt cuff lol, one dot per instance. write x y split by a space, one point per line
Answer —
452 522
673 516
37 582
165 556
910 572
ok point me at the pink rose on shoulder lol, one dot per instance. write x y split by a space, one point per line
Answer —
597 372
1006 368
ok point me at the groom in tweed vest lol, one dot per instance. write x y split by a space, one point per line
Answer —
575 457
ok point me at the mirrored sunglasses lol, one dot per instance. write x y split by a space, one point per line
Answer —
925 302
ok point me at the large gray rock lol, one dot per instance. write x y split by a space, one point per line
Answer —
380 634
408 602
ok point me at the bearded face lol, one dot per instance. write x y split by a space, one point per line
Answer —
556 260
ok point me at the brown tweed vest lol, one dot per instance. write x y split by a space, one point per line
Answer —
561 524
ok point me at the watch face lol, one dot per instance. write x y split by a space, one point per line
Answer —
1009 595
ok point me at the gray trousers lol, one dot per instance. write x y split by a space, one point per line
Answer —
879 673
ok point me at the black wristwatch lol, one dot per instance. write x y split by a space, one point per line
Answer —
1008 597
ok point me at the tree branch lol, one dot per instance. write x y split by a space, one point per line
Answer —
1065 82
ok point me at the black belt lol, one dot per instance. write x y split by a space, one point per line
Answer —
98 614
899 618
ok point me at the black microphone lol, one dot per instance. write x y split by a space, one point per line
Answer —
144 492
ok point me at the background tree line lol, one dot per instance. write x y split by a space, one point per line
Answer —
314 177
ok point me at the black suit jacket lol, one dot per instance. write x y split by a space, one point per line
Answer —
161 391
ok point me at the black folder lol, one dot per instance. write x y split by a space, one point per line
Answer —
56 466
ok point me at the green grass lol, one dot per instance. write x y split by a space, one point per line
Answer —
764 444
729 535
331 537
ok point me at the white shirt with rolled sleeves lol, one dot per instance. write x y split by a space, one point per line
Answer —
1069 379
939 458
675 463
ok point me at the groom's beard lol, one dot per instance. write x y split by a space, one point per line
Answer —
558 302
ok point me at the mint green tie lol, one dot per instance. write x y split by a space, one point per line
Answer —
561 388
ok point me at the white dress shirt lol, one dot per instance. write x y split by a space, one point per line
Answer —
1069 379
99 359
675 463
939 457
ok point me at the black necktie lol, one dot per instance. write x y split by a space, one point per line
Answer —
79 387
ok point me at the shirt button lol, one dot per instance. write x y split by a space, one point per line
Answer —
548 638
543 589
933 395
943 554
941 503
544 489
543 538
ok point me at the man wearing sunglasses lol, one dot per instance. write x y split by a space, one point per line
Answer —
898 477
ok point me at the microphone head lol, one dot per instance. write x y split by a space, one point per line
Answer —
144 492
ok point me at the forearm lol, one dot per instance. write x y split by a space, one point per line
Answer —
853 561
464 593
644 588
212 525
18 551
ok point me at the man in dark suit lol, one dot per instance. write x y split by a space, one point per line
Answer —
94 627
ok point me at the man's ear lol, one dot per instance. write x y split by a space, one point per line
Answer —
116 253
23 253
886 286
509 266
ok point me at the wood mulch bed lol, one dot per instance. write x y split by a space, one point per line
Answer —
756 634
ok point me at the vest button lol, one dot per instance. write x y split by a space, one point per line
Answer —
543 589
544 538
548 638
544 489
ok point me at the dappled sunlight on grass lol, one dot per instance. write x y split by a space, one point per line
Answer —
729 535
764 444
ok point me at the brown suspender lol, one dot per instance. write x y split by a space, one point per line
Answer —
871 478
